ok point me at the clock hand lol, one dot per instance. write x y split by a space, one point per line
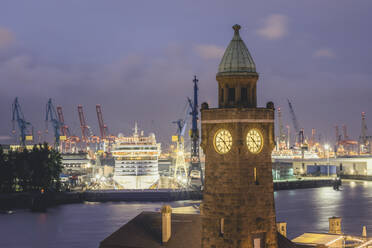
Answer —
254 142
223 141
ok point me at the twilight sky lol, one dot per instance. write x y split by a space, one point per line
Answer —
137 59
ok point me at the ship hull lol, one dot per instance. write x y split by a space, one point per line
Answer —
136 182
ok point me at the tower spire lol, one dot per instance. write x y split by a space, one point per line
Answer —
237 76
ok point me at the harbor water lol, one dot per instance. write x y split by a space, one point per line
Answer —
85 225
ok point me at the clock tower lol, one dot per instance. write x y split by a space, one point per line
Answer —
237 139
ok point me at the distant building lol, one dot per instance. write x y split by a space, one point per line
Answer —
75 162
335 238
350 166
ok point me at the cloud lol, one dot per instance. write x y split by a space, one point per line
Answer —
6 37
209 51
149 89
323 53
275 27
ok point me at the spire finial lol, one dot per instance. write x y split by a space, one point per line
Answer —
236 28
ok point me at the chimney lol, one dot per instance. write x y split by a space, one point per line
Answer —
335 225
281 227
166 223
364 233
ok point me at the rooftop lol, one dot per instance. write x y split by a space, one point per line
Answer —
145 231
236 59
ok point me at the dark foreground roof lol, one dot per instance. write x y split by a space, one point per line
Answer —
145 231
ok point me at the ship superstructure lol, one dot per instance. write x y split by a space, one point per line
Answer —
136 160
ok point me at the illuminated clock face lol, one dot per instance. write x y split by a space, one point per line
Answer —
254 141
222 141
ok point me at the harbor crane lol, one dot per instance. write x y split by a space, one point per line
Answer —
180 166
17 116
102 126
64 128
70 144
51 115
299 131
196 170
85 132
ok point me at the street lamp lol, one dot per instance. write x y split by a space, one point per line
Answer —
326 147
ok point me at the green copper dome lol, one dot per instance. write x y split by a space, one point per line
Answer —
236 58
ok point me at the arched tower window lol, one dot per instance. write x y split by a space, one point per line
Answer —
231 95
244 95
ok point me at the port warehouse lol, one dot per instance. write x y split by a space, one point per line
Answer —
347 166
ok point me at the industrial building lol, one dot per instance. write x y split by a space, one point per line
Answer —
350 166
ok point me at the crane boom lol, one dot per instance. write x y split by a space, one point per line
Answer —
17 116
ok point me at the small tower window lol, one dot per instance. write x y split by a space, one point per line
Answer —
231 95
221 95
243 95
255 175
258 240
257 243
222 226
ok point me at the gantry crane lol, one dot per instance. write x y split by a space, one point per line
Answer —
17 116
51 116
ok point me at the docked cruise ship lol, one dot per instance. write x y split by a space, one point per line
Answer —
136 160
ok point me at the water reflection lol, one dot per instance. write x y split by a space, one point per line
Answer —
310 209
84 225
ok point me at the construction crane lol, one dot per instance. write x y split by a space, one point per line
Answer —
299 131
196 170
51 115
17 116
102 126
